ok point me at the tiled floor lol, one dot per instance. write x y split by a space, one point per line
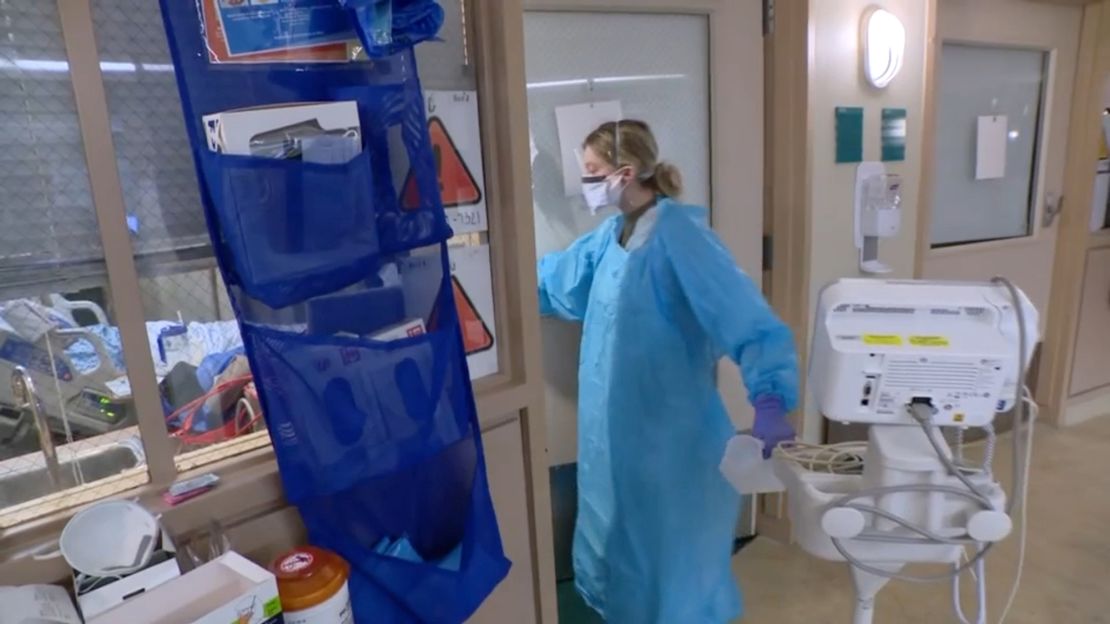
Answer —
1067 570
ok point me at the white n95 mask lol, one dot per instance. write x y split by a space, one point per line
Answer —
600 192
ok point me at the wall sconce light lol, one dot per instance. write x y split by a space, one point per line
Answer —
884 45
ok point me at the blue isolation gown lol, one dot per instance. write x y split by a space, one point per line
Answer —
656 519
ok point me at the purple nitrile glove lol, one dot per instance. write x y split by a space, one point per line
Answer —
771 426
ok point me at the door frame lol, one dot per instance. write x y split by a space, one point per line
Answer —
1072 238
787 207
736 171
730 110
780 176
935 42
1075 240
1037 232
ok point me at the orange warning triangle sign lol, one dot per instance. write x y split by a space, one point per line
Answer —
457 186
476 335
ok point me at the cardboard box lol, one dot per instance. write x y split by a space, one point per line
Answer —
227 590
115 594
232 132
109 596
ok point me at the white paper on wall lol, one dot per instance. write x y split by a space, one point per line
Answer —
990 147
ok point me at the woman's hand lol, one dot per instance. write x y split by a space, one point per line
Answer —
771 426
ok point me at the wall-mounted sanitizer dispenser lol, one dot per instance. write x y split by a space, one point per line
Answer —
878 213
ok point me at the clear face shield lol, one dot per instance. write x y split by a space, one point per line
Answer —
602 190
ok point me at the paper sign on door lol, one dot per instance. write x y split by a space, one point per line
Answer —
990 147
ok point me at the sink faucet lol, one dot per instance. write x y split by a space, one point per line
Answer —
23 390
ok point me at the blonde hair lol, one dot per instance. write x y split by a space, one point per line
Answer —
630 142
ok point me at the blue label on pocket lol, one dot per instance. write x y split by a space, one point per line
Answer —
252 26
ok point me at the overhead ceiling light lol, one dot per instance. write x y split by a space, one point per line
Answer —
884 45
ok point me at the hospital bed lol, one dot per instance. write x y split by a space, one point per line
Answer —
79 370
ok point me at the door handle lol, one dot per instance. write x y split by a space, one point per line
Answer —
1053 206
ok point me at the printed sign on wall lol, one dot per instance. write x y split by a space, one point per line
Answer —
473 286
457 144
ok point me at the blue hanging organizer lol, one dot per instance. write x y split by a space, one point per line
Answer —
377 442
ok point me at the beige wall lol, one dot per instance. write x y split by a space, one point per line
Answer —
836 80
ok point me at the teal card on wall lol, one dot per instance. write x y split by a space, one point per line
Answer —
849 134
894 134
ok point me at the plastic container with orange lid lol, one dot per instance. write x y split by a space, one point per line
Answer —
312 583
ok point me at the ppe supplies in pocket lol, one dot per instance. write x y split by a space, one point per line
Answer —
341 409
449 556
294 229
377 444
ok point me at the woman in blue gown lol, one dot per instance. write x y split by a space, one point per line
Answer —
661 301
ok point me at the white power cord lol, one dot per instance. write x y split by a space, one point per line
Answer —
979 574
1025 413
840 458
1032 409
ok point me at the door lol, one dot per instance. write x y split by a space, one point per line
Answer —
1005 70
673 65
1091 365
